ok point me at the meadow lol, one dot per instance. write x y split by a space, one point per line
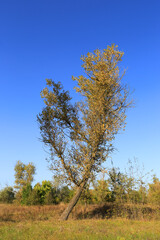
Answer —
86 222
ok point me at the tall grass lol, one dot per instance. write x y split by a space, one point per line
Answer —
14 213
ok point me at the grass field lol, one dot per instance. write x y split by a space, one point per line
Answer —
41 223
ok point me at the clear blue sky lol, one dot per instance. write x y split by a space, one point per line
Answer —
45 39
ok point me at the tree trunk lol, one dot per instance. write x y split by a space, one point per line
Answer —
72 203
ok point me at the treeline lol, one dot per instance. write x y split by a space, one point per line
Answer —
117 187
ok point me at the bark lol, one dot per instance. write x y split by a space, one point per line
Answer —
72 203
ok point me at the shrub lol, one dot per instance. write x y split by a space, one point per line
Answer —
26 194
65 194
154 191
7 195
52 197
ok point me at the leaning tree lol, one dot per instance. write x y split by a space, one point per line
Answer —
80 134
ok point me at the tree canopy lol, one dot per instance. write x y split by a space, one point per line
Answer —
23 174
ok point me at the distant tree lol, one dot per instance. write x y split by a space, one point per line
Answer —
117 184
102 192
86 196
23 174
80 135
57 182
65 194
26 195
154 191
136 182
142 192
7 195
52 197
45 192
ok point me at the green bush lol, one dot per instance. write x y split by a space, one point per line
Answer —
7 195
26 195
44 191
52 197
101 192
65 194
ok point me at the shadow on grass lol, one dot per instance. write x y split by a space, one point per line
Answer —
107 211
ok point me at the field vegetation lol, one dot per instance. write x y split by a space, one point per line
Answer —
86 222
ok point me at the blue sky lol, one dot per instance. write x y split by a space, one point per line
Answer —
45 39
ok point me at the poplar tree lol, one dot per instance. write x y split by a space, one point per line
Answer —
23 174
80 135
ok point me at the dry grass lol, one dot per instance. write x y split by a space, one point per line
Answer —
14 213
